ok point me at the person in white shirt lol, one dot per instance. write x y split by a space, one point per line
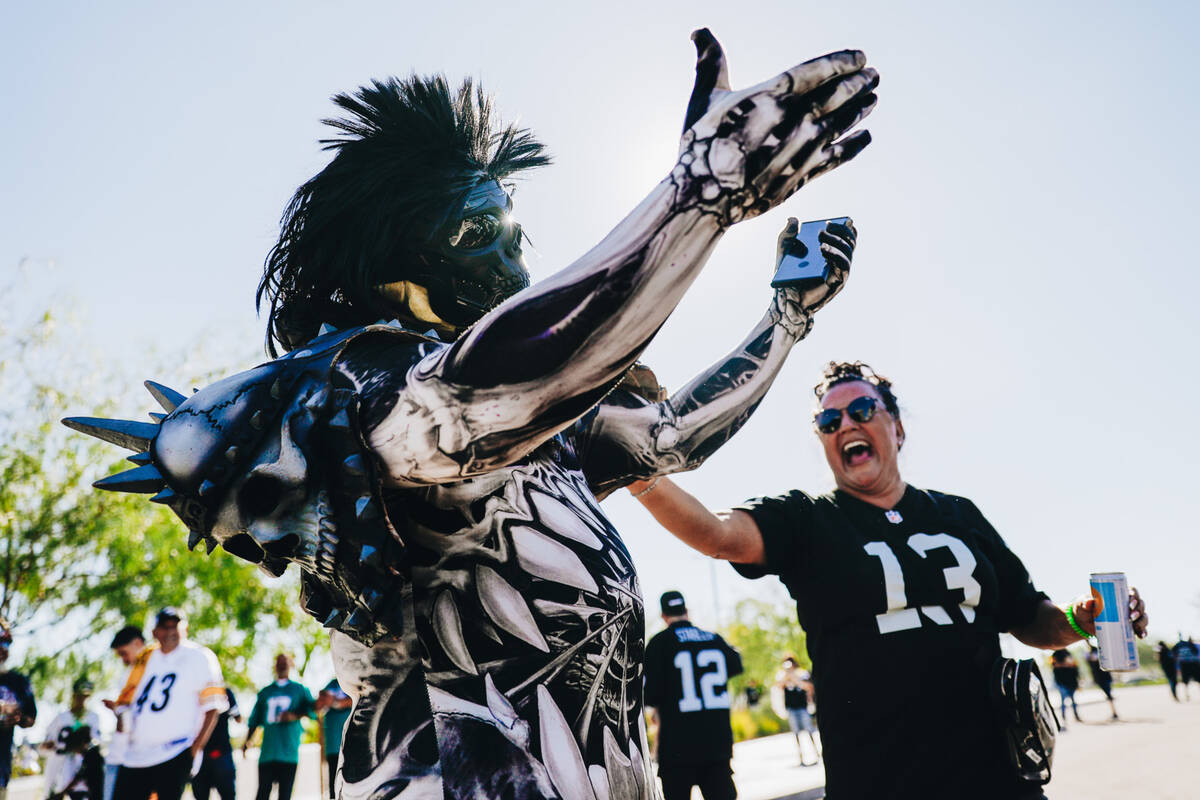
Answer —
63 765
173 696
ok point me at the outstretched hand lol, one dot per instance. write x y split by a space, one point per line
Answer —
744 152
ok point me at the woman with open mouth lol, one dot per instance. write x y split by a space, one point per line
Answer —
902 592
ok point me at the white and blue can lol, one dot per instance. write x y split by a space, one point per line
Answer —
1114 631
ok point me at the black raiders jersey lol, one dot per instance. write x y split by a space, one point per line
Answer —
687 671
902 608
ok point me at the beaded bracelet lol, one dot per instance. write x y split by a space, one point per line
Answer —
648 489
1070 612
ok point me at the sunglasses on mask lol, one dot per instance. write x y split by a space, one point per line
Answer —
860 409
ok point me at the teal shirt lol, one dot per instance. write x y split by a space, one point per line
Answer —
281 740
335 726
335 720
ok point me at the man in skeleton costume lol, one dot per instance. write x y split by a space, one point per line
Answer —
435 477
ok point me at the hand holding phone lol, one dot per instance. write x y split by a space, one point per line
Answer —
801 264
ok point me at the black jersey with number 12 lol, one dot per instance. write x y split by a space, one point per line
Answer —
687 671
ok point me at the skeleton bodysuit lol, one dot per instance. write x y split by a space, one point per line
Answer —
440 497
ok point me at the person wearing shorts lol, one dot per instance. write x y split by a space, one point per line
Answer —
797 690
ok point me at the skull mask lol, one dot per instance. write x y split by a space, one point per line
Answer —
469 262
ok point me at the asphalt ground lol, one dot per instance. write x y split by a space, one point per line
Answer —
1152 752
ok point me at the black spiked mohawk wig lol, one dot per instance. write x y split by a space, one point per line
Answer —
406 150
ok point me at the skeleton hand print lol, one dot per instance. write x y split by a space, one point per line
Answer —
744 152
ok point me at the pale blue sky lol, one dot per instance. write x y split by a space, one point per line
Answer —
1022 272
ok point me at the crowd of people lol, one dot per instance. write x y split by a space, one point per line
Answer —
171 724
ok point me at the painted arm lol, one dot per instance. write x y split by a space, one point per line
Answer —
626 441
541 360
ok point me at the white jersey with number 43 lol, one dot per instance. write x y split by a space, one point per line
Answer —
169 703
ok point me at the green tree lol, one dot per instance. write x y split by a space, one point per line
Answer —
77 563
763 633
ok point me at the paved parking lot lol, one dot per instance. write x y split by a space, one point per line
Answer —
1151 753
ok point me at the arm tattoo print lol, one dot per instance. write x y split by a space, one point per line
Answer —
626 437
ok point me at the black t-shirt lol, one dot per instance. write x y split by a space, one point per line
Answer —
219 744
686 672
1099 676
1067 676
795 697
902 609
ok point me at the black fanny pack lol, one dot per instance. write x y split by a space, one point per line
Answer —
1026 716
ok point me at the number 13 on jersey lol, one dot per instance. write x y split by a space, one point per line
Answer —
898 616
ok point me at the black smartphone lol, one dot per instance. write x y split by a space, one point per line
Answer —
802 262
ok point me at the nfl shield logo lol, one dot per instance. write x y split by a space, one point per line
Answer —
894 517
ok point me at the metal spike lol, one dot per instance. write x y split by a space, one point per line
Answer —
431 333
257 420
167 397
194 538
354 466
313 600
326 328
139 458
157 417
125 433
231 455
143 480
365 510
277 388
165 497
206 487
210 544
371 599
335 618
370 557
318 400
359 620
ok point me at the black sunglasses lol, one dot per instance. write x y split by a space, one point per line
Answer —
860 409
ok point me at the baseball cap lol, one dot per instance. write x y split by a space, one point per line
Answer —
82 686
672 604
169 612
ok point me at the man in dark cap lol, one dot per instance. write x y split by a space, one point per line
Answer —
173 695
687 670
